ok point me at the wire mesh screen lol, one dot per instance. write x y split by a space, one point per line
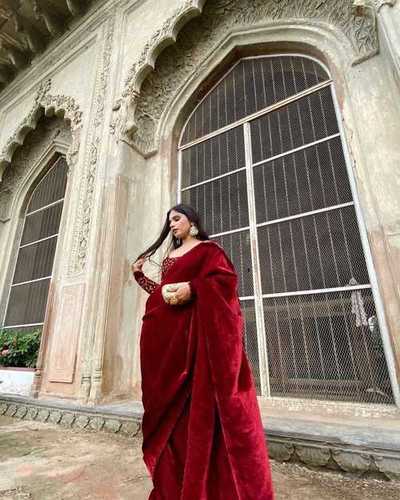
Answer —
216 156
302 122
299 182
250 339
29 289
42 224
51 188
222 202
313 293
314 252
252 85
27 303
214 181
237 247
326 346
35 261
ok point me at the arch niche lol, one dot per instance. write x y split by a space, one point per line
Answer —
155 105
51 129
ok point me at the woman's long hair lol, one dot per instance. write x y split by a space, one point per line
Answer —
193 217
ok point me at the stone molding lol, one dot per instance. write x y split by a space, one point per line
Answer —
49 104
283 448
76 419
380 3
78 254
34 155
136 124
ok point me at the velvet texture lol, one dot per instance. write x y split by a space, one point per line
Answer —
202 433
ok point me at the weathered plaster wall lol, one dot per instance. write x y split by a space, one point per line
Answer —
371 121
367 96
74 74
118 199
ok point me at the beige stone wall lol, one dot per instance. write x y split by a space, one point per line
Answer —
123 178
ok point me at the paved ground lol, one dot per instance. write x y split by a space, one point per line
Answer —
47 462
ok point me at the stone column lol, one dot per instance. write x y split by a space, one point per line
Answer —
388 12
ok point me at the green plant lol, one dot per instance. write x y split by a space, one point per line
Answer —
19 348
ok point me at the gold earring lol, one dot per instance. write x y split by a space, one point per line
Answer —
193 230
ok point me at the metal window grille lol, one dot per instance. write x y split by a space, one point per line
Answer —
34 265
262 160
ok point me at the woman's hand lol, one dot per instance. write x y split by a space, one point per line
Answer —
182 295
137 266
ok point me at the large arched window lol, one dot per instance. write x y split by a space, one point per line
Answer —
34 264
262 160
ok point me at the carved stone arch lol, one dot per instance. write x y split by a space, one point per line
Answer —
45 105
147 93
50 138
48 105
30 163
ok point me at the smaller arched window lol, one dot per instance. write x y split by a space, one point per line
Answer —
28 292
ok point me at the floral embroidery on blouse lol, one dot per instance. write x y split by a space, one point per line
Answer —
168 262
146 283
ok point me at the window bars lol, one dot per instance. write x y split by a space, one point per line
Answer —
34 265
261 159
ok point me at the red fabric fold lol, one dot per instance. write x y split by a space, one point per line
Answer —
202 433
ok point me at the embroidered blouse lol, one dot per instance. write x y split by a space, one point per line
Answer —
148 284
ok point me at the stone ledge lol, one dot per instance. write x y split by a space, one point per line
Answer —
70 416
285 445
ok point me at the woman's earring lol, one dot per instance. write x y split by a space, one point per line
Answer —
193 230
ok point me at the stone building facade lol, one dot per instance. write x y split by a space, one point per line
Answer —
117 97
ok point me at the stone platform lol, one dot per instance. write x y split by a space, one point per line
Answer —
360 439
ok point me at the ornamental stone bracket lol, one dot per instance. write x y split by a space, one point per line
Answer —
44 103
124 120
136 122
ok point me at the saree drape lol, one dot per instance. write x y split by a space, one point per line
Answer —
202 433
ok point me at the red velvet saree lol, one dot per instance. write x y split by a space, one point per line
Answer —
202 433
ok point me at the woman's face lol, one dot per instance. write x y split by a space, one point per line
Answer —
179 224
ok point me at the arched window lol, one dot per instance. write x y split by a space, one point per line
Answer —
262 160
34 265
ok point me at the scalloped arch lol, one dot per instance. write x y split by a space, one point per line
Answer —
161 39
136 122
48 105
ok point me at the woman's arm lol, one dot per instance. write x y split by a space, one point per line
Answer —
146 283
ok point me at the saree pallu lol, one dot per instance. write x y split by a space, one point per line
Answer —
202 433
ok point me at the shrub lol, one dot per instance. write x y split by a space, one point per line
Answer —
19 348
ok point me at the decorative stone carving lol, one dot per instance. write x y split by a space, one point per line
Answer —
34 147
380 3
22 28
82 225
49 104
146 93
164 36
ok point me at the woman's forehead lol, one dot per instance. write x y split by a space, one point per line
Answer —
174 213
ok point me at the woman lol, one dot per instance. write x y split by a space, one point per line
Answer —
202 433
